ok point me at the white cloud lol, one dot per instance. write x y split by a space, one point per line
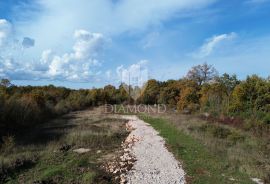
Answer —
5 32
78 65
212 43
8 40
10 68
87 44
54 24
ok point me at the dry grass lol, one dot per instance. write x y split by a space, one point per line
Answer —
46 156
241 150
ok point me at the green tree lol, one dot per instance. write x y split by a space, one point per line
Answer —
229 82
215 97
151 92
109 94
169 93
5 83
253 95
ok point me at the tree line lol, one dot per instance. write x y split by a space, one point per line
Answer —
27 106
220 96
202 90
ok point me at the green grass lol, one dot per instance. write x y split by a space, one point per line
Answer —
200 165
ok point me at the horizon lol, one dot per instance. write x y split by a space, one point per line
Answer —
71 85
86 44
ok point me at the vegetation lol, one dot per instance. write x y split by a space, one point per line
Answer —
28 106
244 104
202 90
213 153
46 154
226 125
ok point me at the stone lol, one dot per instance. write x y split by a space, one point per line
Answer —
81 150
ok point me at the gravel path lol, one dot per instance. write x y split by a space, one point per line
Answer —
155 164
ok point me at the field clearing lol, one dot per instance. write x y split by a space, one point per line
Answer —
46 155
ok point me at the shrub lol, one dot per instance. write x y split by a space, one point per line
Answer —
235 136
8 143
266 119
216 130
220 132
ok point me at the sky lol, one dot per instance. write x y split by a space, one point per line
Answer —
85 44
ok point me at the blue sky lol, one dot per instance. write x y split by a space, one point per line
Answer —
82 43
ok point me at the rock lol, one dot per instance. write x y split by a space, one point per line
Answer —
206 115
257 180
186 111
98 151
81 150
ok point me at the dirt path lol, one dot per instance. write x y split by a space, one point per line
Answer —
155 164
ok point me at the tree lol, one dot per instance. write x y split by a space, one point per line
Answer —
151 92
202 73
229 82
215 97
109 94
169 93
5 83
122 95
189 96
252 95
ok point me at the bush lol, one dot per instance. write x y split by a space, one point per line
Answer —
216 130
8 144
235 136
266 119
220 132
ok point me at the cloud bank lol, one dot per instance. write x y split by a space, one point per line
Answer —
77 65
55 55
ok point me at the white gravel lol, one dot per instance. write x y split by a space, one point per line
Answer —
155 164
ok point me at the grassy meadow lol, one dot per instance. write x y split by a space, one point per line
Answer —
212 152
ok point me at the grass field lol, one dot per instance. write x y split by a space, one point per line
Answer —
46 155
212 153
209 152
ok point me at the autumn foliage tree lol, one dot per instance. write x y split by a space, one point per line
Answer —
189 96
169 92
